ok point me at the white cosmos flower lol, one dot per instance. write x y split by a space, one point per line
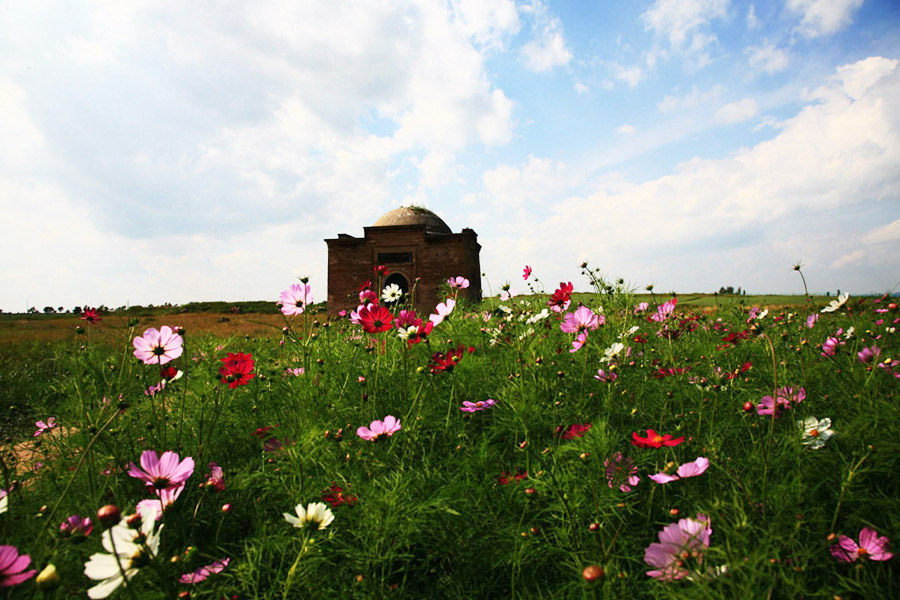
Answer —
815 432
538 317
629 333
133 552
391 293
836 304
612 352
316 514
4 501
404 333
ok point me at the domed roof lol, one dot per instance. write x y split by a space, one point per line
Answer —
413 215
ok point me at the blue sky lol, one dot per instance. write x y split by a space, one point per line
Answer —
157 152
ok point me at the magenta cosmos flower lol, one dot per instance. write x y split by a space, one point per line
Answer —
458 282
164 472
476 406
376 429
621 472
295 299
203 572
13 565
76 526
785 399
871 546
678 542
158 347
690 469
526 272
581 320
43 428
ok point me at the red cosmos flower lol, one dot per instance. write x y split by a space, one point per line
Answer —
507 478
654 440
236 369
421 334
441 362
261 431
561 298
375 319
335 496
91 315
382 271
366 286
575 430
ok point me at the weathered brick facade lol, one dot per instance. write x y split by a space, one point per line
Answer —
417 247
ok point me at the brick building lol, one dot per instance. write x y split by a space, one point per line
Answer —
417 247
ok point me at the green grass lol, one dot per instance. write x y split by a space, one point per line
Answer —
432 519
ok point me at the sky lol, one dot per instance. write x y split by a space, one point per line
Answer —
166 151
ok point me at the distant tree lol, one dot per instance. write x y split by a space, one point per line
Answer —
61 309
48 310
32 311
76 310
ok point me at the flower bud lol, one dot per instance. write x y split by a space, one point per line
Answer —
109 515
592 573
47 579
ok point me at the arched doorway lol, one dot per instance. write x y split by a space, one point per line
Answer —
400 281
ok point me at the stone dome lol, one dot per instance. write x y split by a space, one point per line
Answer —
413 215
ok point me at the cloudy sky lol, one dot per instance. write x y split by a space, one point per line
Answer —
161 150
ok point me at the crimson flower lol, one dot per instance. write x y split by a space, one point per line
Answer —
654 440
420 334
507 478
236 369
91 315
561 298
441 362
382 271
335 496
575 430
526 272
375 319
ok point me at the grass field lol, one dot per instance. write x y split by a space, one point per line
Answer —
521 465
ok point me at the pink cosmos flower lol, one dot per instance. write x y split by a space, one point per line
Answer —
664 311
203 572
216 478
13 565
784 399
581 320
690 469
355 314
867 355
476 406
164 499
377 428
443 310
165 472
606 377
507 293
621 472
158 347
459 282
295 299
829 346
687 538
640 307
871 546
43 428
811 320
405 319
76 526
580 340
526 272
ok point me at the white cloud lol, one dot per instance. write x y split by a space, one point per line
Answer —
692 99
736 112
752 19
630 75
626 129
767 58
487 22
581 88
681 23
823 17
807 192
548 48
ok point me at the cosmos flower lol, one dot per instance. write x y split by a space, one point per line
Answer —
236 369
575 430
4 501
202 573
581 320
127 547
785 399
164 499
377 428
375 319
687 538
216 478
442 311
391 293
811 320
76 526
815 432
689 469
476 406
163 472
507 293
43 428
580 340
640 307
654 440
158 347
606 377
621 472
829 346
868 354
836 304
561 298
612 352
663 312
526 272
458 282
13 565
406 319
871 546
336 496
91 315
316 516
295 299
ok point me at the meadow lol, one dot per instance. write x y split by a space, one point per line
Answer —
608 445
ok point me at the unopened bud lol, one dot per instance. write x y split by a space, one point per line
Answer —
109 515
47 579
592 573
